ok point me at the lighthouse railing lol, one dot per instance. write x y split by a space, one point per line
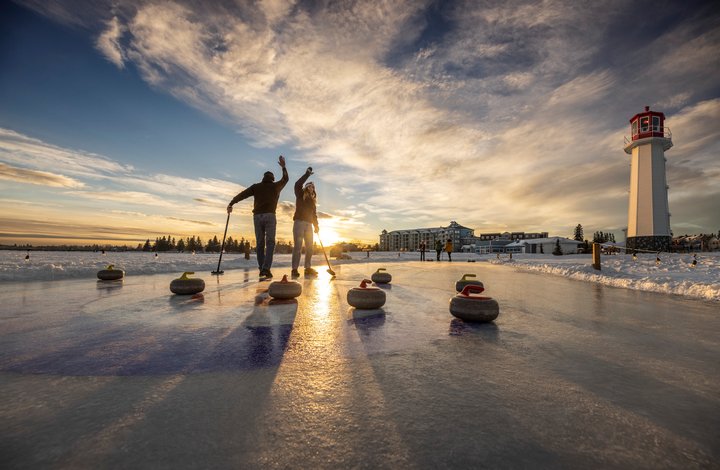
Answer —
652 131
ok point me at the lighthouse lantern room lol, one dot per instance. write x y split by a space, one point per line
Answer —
648 210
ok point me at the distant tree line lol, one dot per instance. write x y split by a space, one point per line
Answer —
194 244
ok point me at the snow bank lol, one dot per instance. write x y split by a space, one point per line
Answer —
674 274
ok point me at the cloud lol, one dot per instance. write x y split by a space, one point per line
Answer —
124 197
101 177
514 109
28 203
19 149
43 178
17 228
196 222
109 43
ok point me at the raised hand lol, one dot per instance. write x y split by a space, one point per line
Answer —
309 171
281 161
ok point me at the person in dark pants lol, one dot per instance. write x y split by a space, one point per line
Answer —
266 194
422 250
438 249
305 219
449 248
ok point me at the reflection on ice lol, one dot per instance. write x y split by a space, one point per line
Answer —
107 285
184 302
488 331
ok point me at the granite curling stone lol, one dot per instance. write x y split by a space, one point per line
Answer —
284 289
366 297
379 277
460 285
187 286
474 308
110 274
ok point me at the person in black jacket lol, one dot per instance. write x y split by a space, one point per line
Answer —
266 194
305 219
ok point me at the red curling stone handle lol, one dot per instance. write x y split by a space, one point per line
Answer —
472 289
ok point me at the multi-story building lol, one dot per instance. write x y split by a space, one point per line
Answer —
496 242
409 240
463 238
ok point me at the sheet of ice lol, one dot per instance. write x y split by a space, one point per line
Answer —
674 274
571 374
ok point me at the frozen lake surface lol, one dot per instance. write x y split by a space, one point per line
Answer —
571 374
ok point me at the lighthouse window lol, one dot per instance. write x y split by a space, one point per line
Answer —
656 123
644 124
634 128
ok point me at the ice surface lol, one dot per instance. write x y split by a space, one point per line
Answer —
675 273
571 374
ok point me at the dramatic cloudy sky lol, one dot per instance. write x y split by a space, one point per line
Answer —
125 120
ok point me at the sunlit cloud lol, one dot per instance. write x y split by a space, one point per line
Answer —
109 43
196 222
44 178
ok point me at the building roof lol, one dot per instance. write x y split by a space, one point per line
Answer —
529 241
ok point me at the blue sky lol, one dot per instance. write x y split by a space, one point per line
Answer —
121 121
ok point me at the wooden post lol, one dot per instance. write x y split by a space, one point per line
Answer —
596 256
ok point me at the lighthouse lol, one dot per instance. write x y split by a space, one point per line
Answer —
648 210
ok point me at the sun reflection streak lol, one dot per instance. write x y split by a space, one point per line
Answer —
320 388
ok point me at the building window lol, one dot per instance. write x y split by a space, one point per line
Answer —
644 124
634 127
656 123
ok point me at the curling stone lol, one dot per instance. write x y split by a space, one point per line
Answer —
284 289
460 285
366 297
186 286
379 277
474 308
110 274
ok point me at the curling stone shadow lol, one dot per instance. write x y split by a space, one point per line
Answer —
109 285
186 302
367 319
384 286
488 331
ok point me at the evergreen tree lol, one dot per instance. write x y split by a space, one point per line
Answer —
181 245
542 250
146 246
579 236
557 251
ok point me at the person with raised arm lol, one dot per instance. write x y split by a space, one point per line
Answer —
305 219
266 194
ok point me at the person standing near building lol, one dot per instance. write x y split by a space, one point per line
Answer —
422 250
438 249
449 248
266 194
305 219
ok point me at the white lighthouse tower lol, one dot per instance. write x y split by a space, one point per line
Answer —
648 211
